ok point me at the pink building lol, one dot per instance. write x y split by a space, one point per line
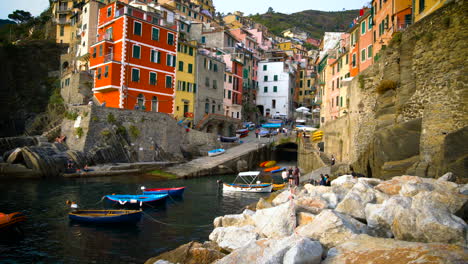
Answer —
233 81
262 41
334 88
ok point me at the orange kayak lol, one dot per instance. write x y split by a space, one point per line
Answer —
9 220
272 169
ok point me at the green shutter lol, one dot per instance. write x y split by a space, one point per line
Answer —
265 89
170 38
275 89
136 52
190 51
190 68
155 34
135 75
137 28
275 78
181 66
168 81
152 78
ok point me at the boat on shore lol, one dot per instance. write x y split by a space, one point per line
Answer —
248 183
179 191
106 216
242 132
10 221
137 200
228 139
216 152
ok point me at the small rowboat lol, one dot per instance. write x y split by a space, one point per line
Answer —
106 216
216 152
242 132
278 170
270 163
8 221
171 191
272 169
248 183
137 200
228 139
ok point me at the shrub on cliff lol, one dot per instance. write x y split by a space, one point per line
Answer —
386 85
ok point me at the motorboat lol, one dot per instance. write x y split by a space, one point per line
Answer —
247 182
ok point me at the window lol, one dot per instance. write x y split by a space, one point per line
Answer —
207 107
106 71
341 100
109 11
195 88
152 79
207 82
154 104
363 27
275 89
168 81
230 78
346 59
369 23
275 77
203 40
369 52
135 75
190 68
265 89
265 78
273 103
155 34
100 50
215 84
140 101
264 67
154 56
337 101
301 84
99 72
213 109
181 66
215 67
229 94
190 51
170 60
421 5
170 38
354 60
94 52
136 51
137 28
363 54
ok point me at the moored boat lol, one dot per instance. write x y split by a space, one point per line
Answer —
278 170
228 139
242 132
137 200
272 169
277 187
248 184
216 152
179 191
8 221
106 216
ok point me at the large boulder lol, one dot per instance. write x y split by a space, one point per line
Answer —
190 253
354 203
367 249
281 198
345 181
429 224
232 237
393 186
380 217
311 204
263 204
411 189
292 249
304 218
313 190
440 200
448 177
234 220
276 222
331 228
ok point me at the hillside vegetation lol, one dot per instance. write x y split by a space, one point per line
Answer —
311 21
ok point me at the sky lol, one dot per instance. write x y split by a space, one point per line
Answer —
225 6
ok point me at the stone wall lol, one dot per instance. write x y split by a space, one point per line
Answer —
308 158
410 129
119 135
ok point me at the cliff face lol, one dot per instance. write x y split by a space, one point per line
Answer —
408 111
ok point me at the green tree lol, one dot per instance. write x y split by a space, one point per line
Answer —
270 10
20 16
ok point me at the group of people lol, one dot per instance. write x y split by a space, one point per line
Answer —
291 176
324 180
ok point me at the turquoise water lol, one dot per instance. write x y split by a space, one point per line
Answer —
49 237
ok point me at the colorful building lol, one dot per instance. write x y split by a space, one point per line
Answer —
189 10
422 8
186 86
134 60
62 11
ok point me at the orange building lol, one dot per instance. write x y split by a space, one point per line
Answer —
134 60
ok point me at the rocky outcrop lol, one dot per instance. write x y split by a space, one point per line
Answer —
191 253
231 238
276 222
366 249
380 217
354 203
235 220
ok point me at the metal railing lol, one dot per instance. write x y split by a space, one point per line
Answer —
109 57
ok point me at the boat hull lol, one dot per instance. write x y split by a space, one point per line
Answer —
229 139
256 188
272 169
106 216
170 191
8 221
137 200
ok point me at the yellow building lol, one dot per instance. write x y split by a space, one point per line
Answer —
286 46
186 86
205 4
238 20
422 8
62 11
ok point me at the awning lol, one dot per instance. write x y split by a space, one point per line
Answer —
277 125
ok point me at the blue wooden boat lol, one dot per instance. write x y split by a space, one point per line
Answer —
173 192
106 216
216 152
137 200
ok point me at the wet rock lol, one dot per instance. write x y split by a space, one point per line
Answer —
448 177
276 222
354 203
274 251
367 249
234 220
232 237
304 218
190 253
380 216
331 228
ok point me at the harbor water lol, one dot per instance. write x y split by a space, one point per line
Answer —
49 237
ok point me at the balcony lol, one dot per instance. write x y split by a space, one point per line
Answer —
109 57
62 21
402 26
105 37
63 9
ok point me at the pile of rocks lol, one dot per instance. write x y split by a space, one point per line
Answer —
407 219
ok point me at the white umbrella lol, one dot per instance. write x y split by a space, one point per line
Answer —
302 109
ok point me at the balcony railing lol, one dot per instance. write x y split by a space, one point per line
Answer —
108 37
109 57
63 9
402 26
62 21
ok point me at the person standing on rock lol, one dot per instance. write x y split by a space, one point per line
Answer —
333 160
290 176
284 175
296 175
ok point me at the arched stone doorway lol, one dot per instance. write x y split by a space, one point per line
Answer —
221 129
209 129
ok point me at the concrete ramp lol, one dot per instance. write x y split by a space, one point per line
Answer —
249 154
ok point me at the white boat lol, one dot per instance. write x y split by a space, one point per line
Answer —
249 183
216 152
